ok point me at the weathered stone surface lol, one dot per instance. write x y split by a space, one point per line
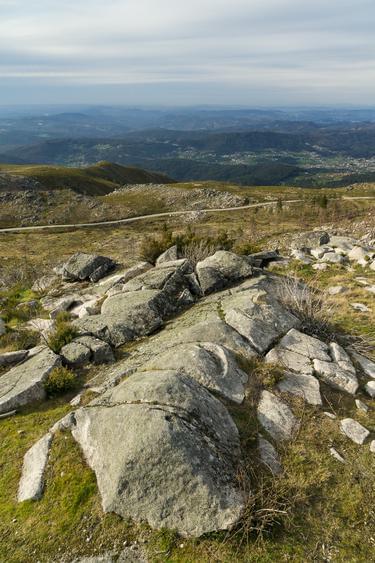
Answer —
367 366
370 388
319 252
218 332
34 464
353 430
126 316
83 266
75 354
361 406
262 320
65 423
222 269
44 326
269 456
289 360
320 267
332 374
101 352
308 346
212 365
340 356
10 358
333 258
336 290
113 284
358 254
310 239
24 383
301 257
344 243
164 450
276 417
305 386
45 282
168 256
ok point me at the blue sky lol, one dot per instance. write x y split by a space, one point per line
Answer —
186 52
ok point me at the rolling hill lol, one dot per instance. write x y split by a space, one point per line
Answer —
99 179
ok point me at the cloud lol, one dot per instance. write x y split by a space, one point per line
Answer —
245 47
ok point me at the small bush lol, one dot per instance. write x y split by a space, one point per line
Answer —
153 246
59 381
246 248
63 333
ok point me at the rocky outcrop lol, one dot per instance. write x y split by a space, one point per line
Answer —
83 266
222 269
213 366
177 453
24 383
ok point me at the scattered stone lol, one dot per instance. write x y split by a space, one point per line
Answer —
171 453
336 290
344 243
340 356
372 446
82 266
34 464
76 400
361 406
320 266
334 453
11 358
333 258
361 307
305 386
212 365
330 415
222 269
75 354
101 352
24 383
269 456
332 374
301 257
370 289
367 366
319 252
370 388
276 417
308 346
168 256
310 239
353 430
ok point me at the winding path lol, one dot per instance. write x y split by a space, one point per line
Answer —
155 216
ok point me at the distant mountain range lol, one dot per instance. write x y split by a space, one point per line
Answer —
254 147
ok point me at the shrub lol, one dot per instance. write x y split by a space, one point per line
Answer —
63 333
246 248
60 380
153 246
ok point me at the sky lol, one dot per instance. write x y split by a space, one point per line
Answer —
188 52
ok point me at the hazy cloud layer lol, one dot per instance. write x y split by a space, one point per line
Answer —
196 51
